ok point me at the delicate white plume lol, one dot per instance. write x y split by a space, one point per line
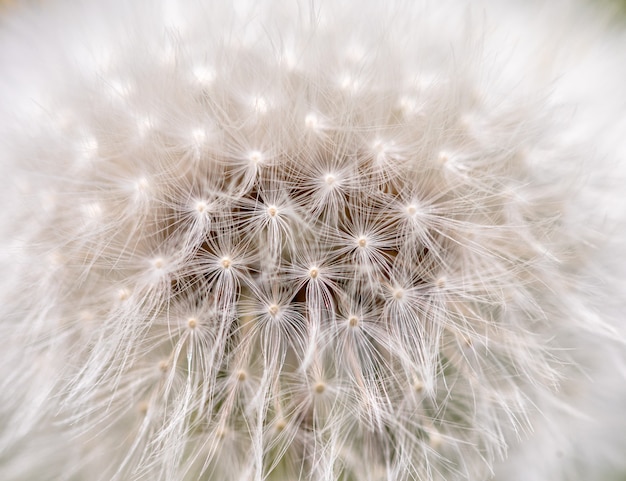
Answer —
311 240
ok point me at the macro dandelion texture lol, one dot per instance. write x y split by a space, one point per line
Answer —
312 240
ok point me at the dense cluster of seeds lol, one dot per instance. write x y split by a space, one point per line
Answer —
283 260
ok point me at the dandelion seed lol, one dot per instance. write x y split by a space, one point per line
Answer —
398 293
199 136
123 294
280 425
255 157
272 211
201 207
226 262
144 125
143 408
411 210
142 186
313 272
203 75
311 121
418 386
260 105
273 310
158 263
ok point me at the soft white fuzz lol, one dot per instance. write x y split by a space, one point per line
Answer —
310 240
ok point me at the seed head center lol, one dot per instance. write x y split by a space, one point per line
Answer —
201 206
319 388
273 309
255 157
158 263
310 121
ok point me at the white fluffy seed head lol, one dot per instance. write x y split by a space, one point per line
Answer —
258 244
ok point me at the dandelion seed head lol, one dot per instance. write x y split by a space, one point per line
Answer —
261 245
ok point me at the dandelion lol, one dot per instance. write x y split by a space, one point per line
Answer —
308 241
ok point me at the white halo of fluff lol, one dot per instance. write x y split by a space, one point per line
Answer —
311 240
